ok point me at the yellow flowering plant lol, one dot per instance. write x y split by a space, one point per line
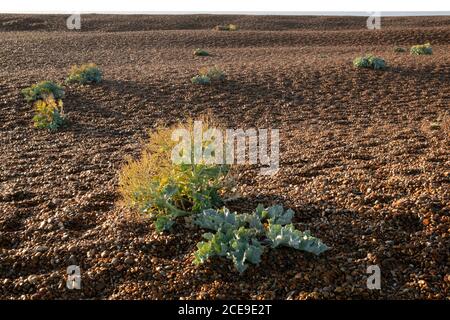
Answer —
49 113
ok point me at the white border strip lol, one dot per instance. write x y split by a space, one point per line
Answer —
220 6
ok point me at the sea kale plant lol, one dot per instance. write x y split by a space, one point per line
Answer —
84 74
370 61
49 113
200 52
209 75
421 49
243 238
42 90
203 80
156 186
227 27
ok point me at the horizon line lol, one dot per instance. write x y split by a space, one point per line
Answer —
256 13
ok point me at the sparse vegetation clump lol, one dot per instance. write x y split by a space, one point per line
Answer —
203 80
371 62
156 186
243 238
49 113
214 73
227 27
200 52
85 74
46 97
42 90
421 49
209 75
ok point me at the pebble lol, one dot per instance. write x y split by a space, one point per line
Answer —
339 290
41 249
32 279
90 253
72 259
99 286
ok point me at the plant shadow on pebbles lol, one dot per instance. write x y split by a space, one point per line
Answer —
420 73
245 204
127 87
251 90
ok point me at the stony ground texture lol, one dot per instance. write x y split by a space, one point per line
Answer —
360 163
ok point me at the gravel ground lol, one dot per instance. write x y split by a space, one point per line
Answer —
359 163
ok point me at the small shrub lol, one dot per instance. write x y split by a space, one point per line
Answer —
399 49
214 73
42 90
49 113
84 74
421 49
201 53
156 186
243 238
227 27
201 80
209 75
370 61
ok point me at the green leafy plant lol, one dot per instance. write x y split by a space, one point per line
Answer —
244 237
85 74
200 52
42 90
209 75
49 113
201 80
227 27
156 186
421 49
399 49
370 61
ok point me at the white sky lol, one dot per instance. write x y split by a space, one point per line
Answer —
221 6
